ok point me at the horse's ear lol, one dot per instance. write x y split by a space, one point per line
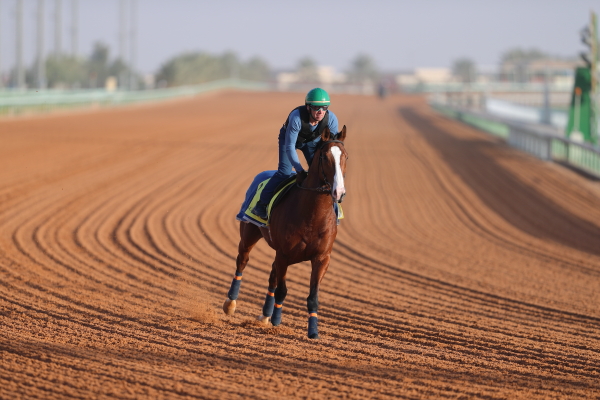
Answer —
342 135
326 135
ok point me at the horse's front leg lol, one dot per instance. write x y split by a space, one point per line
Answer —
249 235
319 267
281 266
267 310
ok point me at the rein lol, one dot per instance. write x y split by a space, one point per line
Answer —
326 188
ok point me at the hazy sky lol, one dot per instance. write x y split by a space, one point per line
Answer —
398 35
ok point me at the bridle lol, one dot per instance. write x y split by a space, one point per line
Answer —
326 188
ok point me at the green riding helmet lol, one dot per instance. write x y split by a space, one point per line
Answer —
317 97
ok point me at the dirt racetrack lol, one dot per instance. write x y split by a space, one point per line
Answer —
463 268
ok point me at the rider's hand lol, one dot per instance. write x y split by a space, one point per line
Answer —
301 176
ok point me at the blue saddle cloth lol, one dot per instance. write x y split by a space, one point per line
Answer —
253 194
250 193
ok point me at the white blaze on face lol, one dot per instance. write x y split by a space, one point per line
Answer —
338 179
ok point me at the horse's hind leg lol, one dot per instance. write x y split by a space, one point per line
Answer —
249 235
267 310
319 267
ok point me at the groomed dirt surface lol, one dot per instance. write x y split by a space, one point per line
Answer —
463 268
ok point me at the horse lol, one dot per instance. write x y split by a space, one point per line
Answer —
303 227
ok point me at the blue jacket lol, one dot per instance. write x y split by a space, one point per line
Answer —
291 135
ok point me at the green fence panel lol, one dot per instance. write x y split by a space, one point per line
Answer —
493 127
16 102
559 150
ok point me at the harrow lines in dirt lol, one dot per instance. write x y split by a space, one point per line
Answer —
417 218
580 201
406 226
506 325
516 242
510 195
118 375
456 300
129 221
37 239
429 325
446 281
278 360
25 178
471 338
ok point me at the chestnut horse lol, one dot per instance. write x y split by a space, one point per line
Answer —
302 227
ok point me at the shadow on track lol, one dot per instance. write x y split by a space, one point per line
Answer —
517 202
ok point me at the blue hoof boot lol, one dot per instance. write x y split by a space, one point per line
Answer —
269 303
313 329
234 290
276 317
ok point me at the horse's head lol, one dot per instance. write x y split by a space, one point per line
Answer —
329 163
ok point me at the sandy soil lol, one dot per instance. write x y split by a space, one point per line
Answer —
463 269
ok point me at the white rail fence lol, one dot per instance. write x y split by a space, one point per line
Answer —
545 143
18 102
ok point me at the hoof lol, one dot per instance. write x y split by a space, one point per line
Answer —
314 336
264 320
229 307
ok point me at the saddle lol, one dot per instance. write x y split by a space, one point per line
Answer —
253 195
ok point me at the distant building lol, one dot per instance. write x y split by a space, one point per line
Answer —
557 71
328 75
424 76
405 79
433 75
325 76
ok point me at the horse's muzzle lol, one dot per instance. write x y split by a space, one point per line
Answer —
342 197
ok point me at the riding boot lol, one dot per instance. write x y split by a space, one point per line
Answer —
260 210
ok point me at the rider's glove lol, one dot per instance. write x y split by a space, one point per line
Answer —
301 176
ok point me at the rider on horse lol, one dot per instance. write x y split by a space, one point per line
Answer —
302 130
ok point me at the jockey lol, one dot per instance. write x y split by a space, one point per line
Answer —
302 130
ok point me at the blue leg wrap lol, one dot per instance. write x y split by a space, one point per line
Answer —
313 330
276 317
234 290
269 303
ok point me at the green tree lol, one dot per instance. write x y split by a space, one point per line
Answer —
190 68
256 69
119 69
464 69
98 66
230 64
307 70
199 67
124 73
515 63
363 70
65 71
521 55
